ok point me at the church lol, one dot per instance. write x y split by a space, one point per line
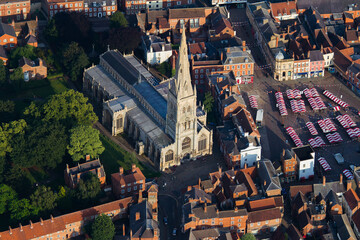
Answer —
163 118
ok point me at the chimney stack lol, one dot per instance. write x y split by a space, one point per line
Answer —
137 216
140 196
205 207
67 168
21 229
221 56
133 167
220 171
236 209
87 157
189 188
41 221
123 229
52 218
245 166
348 185
236 139
324 180
264 182
31 225
199 183
10 230
341 178
121 171
228 50
277 42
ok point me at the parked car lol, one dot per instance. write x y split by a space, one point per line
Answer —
174 232
165 221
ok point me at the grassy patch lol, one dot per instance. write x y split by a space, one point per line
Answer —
114 157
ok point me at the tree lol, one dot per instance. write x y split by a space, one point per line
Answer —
71 107
118 20
74 60
248 236
3 71
43 145
17 77
7 195
124 39
208 102
51 33
7 132
21 210
88 188
43 199
7 106
84 140
27 51
102 228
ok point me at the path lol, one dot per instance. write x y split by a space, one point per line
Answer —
125 146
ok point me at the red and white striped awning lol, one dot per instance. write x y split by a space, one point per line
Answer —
327 125
348 174
294 136
353 132
312 128
336 108
346 121
335 99
281 103
290 94
253 101
324 164
316 142
334 137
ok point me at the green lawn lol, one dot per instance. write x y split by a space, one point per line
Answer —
114 157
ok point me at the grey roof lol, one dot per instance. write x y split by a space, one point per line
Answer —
237 55
328 6
303 153
145 226
31 39
129 69
3 53
315 21
316 55
7 29
204 234
332 198
211 212
343 227
24 61
156 43
238 188
336 186
266 172
196 193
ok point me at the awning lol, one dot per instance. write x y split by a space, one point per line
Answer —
324 164
312 128
253 101
348 174
316 142
334 137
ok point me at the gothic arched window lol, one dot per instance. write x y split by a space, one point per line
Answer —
188 109
184 110
169 156
186 143
202 143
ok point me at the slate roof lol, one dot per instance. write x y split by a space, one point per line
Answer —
181 13
156 43
234 55
30 39
219 20
199 194
344 229
263 215
351 35
211 212
145 227
299 201
356 219
327 6
316 55
7 29
3 53
293 233
248 181
336 186
204 234
315 21
303 219
351 198
90 166
244 119
305 189
266 172
332 198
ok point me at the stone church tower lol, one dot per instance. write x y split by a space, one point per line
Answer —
181 120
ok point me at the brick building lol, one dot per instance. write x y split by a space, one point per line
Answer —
68 225
264 220
73 175
127 184
289 165
317 63
36 69
7 36
14 10
351 202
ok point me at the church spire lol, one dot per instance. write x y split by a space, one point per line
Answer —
183 86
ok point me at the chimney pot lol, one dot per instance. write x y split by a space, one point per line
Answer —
87 158
348 186
341 178
31 224
133 167
324 180
121 171
205 207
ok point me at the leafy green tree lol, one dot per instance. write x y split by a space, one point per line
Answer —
7 132
102 228
32 111
17 77
3 72
84 140
124 39
51 33
7 106
43 199
248 236
118 20
43 146
71 107
74 60
88 188
208 102
7 195
21 210
18 52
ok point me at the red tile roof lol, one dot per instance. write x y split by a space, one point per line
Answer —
123 179
282 8
53 225
356 218
351 198
197 48
263 215
305 189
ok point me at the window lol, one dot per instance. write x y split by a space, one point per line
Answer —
201 70
129 189
70 5
135 188
186 143
51 6
169 156
202 143
55 7
196 71
119 122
